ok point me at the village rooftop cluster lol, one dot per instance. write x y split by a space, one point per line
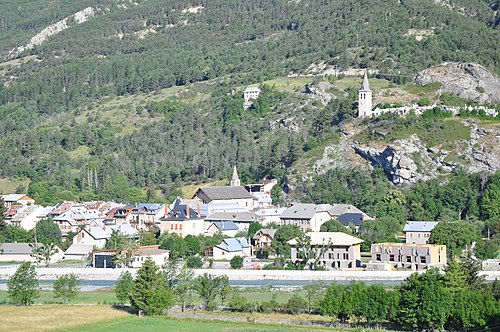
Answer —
224 210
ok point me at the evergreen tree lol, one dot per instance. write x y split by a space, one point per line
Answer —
123 287
150 291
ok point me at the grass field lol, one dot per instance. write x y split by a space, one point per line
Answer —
56 317
189 190
102 296
144 324
8 186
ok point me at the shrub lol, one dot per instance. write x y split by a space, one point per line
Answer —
194 262
23 285
236 262
66 287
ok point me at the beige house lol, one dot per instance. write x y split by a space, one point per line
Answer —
263 238
333 250
74 218
182 220
409 255
159 256
309 217
17 199
230 248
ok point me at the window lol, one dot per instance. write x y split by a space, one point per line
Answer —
391 258
378 258
346 256
408 259
423 259
419 235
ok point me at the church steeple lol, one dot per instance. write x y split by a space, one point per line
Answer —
235 179
365 98
366 85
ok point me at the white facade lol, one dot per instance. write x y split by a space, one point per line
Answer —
27 217
365 99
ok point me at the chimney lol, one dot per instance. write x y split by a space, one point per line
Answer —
187 211
166 210
104 228
199 209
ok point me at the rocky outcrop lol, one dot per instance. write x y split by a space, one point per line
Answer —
319 91
466 80
77 18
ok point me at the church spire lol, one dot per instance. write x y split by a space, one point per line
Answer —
235 179
366 85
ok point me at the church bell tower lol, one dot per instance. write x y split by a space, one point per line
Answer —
365 98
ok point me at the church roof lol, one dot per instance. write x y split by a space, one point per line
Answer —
366 84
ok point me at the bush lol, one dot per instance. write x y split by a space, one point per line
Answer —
240 303
123 287
296 304
194 262
236 262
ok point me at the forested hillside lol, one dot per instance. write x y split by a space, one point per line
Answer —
147 94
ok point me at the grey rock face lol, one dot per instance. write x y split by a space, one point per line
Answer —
466 80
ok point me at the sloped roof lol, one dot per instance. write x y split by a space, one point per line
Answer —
233 244
420 226
63 207
106 231
79 249
17 248
272 211
265 231
14 197
351 218
225 225
299 211
340 209
252 89
181 211
366 84
245 216
330 239
225 192
25 211
78 215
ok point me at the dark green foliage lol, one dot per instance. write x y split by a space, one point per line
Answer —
253 228
240 303
23 285
425 303
123 287
47 232
150 291
66 287
194 262
334 226
296 304
236 262
147 238
184 286
456 235
284 234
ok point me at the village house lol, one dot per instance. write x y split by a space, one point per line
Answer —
226 228
249 94
78 251
491 265
262 200
418 232
332 250
408 255
241 219
262 239
24 252
74 218
61 208
159 256
182 220
97 236
17 199
27 216
230 248
269 215
309 217
142 215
